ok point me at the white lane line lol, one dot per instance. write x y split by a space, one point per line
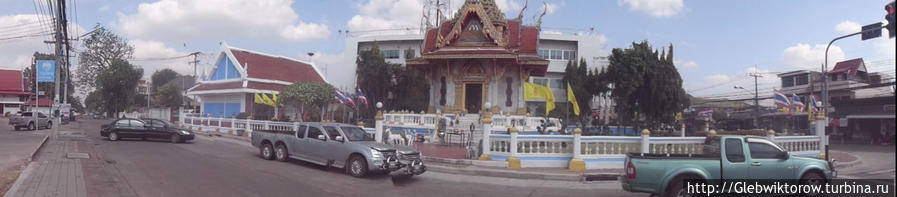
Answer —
881 171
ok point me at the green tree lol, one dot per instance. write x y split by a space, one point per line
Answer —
94 102
116 85
168 96
377 79
576 75
645 83
306 94
102 48
161 77
413 92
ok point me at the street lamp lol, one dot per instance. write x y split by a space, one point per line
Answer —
756 105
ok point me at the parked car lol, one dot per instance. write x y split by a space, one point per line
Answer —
144 129
340 145
26 120
725 157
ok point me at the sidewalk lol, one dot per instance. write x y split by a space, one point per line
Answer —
55 171
17 148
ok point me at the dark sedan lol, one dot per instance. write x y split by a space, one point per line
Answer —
144 129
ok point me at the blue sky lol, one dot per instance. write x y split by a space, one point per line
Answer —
716 42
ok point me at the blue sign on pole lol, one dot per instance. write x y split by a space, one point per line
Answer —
46 70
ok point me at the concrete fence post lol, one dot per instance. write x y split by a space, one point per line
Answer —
577 164
820 132
646 141
378 127
513 161
771 135
487 131
181 116
249 126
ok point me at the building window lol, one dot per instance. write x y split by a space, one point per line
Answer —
802 79
543 53
557 84
557 54
570 55
391 54
787 81
540 81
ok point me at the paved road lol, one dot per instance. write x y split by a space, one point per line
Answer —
878 161
215 166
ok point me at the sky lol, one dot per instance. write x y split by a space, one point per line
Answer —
716 43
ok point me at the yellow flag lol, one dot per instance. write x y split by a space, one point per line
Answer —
258 99
267 100
274 99
572 99
533 91
678 116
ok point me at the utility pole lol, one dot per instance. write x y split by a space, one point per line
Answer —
60 61
195 63
756 98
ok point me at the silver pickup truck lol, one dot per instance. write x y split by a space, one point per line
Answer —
26 120
339 145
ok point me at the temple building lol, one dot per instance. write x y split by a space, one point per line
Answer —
480 57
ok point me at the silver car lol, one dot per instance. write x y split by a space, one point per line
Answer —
340 145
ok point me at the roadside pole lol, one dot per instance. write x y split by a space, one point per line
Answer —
825 98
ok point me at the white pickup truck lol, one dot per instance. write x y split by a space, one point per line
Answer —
26 120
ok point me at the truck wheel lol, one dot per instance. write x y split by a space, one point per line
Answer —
358 167
31 126
677 186
49 125
281 153
15 128
113 136
266 151
812 178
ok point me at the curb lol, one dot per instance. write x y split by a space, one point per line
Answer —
34 152
509 174
504 174
849 164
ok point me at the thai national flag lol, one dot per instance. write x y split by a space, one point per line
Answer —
797 103
782 101
343 99
361 98
814 103
705 113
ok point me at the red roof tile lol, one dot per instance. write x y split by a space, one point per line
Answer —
276 68
11 81
851 66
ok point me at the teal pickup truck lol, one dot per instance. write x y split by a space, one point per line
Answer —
724 158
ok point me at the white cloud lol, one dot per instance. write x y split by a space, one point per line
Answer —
685 64
404 16
192 19
717 79
551 8
104 8
150 55
847 27
16 53
805 56
883 45
656 8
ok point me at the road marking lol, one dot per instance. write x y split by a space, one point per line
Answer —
881 171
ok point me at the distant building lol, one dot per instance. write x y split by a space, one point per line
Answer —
240 73
861 105
474 63
13 91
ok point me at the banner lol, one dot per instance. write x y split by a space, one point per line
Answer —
572 98
532 91
46 70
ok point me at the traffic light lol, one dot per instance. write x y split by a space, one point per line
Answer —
890 17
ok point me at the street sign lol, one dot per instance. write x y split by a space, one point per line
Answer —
40 93
872 31
46 70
